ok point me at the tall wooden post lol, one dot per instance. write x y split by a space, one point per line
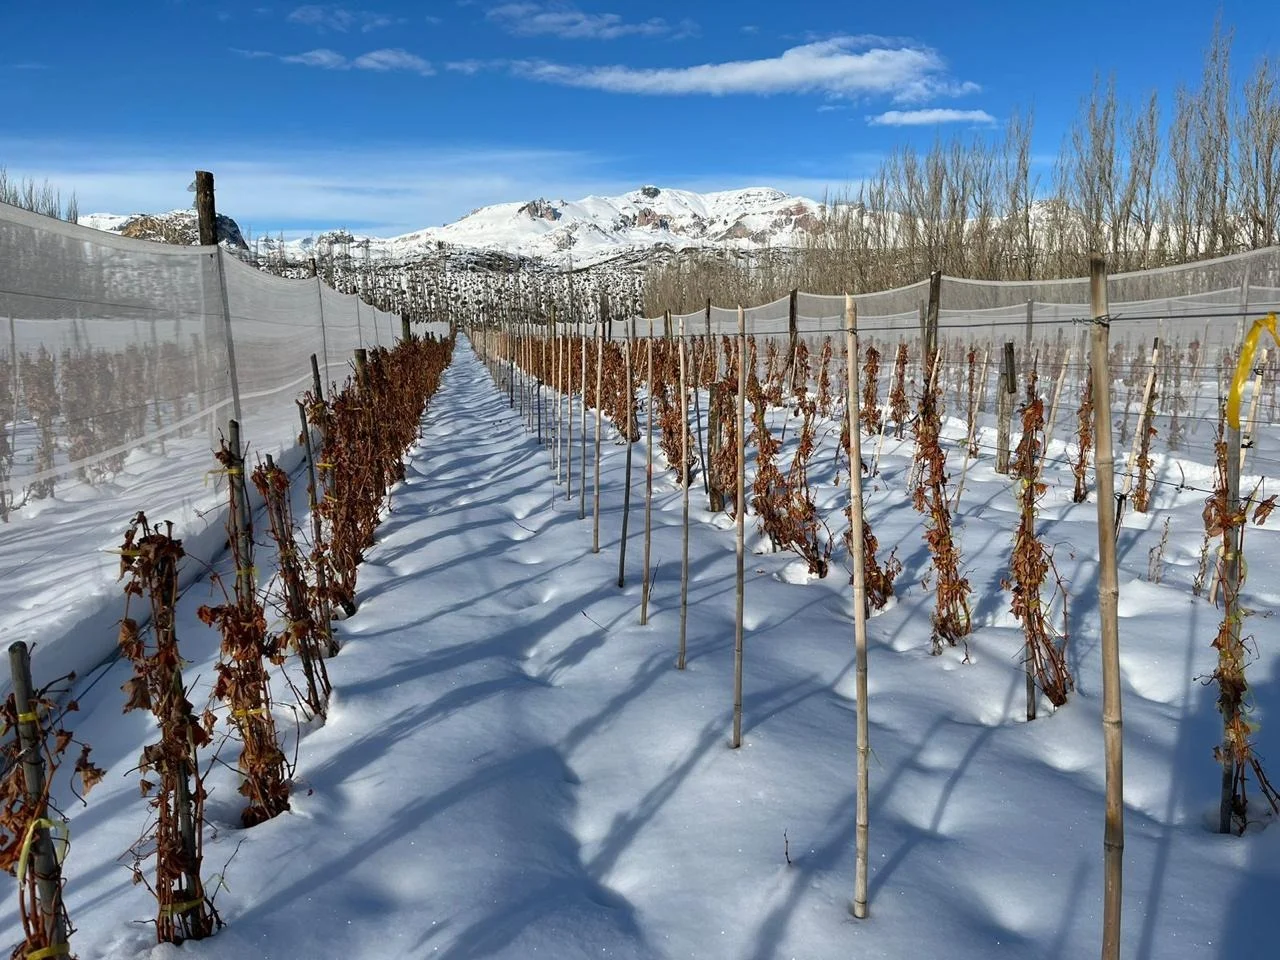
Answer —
206 209
740 509
862 805
1108 610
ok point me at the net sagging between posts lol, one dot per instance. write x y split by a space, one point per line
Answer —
1207 301
121 362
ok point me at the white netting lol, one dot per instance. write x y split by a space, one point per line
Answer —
121 361
1207 301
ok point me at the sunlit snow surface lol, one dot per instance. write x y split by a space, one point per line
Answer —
512 767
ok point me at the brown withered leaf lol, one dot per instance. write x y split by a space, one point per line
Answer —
1263 510
137 696
90 773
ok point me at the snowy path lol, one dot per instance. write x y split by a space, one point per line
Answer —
512 767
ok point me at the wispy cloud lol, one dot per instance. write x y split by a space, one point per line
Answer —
843 66
386 60
569 23
329 17
930 117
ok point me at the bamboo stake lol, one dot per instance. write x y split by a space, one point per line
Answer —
697 409
582 453
1053 406
626 495
1230 579
740 511
1108 605
595 492
1250 425
684 462
647 582
568 371
44 862
1137 434
862 815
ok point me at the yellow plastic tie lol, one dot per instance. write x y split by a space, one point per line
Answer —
29 717
246 571
53 826
253 712
56 950
1244 368
168 909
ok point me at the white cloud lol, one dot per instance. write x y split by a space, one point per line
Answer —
325 17
839 66
381 61
930 117
326 59
569 23
384 60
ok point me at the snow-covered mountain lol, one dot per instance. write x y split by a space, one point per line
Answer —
176 226
581 232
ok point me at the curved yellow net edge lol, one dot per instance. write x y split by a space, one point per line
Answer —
1244 368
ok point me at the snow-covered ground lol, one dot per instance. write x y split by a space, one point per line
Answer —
512 766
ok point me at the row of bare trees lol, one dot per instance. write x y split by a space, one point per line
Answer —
1150 183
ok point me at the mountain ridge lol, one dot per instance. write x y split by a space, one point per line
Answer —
576 233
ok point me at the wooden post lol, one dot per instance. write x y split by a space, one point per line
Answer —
317 385
44 862
646 583
793 337
1108 607
929 318
862 806
626 486
206 209
740 523
362 368
595 510
406 333
317 532
241 519
684 473
1007 387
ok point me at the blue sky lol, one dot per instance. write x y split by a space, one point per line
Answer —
389 116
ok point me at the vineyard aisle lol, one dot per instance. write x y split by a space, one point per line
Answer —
513 768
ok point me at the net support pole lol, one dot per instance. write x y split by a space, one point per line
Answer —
1108 610
232 376
857 541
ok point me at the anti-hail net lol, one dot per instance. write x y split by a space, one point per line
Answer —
1210 302
121 363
